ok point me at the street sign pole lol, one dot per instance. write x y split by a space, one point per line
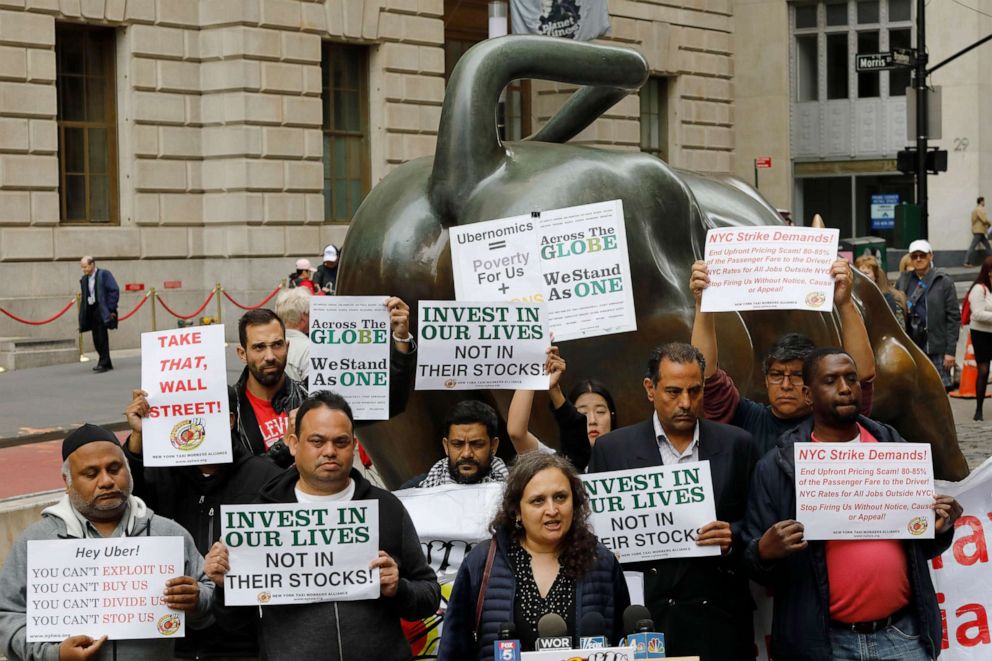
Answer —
755 174
920 83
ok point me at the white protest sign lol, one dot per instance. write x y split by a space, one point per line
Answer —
95 587
184 372
652 513
574 258
770 268
470 346
349 351
595 654
297 553
864 490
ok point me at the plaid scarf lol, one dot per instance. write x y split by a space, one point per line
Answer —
439 474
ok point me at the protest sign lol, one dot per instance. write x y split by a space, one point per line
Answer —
652 513
469 346
770 268
864 490
112 586
574 258
184 372
297 553
349 351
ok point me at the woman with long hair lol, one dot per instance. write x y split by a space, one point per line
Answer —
543 558
980 301
870 267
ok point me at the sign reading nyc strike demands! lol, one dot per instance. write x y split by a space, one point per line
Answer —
109 586
469 346
575 259
770 268
652 513
184 372
865 490
297 553
349 351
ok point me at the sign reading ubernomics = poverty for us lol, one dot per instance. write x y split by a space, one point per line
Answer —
297 553
574 258
184 372
349 351
111 586
652 513
479 345
770 268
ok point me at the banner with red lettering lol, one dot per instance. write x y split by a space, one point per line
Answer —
184 373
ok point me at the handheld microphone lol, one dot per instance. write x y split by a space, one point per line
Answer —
647 643
552 633
506 647
592 630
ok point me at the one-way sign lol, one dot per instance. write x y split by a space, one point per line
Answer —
897 59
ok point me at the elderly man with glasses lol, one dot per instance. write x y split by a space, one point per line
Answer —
783 365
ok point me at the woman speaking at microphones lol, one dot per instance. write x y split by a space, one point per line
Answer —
543 558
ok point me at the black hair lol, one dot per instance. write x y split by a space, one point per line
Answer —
980 200
675 352
597 388
789 347
812 360
323 399
258 317
470 412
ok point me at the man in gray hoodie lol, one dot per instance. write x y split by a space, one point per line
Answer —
98 503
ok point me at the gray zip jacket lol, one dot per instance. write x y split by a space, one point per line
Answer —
61 521
943 315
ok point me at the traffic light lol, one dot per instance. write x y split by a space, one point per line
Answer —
936 161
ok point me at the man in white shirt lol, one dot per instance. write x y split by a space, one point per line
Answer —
293 307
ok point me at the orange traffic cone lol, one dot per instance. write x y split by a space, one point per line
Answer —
969 374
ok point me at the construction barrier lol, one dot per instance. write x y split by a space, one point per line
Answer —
969 374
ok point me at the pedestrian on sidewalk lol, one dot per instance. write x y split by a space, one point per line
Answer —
980 301
99 295
979 230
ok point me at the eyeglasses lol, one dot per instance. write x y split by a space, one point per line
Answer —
919 255
778 378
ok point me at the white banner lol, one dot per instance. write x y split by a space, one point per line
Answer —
864 490
652 513
184 372
582 20
770 268
296 553
349 351
97 587
469 346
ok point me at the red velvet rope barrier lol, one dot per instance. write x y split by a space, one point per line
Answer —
42 322
136 308
252 307
185 316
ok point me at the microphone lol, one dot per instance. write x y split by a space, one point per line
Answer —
592 630
647 643
506 647
552 633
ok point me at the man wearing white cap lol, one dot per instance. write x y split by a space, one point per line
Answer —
327 273
933 320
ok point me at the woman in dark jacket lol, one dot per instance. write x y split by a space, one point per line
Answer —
546 560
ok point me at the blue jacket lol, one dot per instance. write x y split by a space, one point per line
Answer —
107 296
801 617
602 590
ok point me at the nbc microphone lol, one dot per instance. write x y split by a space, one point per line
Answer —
647 644
592 631
552 633
506 647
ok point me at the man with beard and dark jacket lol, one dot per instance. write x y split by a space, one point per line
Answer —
834 599
192 497
266 396
324 448
469 446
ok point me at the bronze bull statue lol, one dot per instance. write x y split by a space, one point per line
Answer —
398 245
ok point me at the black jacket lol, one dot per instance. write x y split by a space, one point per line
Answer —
691 598
801 622
107 293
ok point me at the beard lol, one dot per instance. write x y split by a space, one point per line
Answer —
267 379
482 470
100 509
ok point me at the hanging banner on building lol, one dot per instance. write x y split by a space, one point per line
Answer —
582 20
865 490
95 587
349 351
184 372
770 268
297 553
652 513
481 346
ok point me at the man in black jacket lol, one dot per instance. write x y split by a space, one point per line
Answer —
324 447
99 295
835 599
701 604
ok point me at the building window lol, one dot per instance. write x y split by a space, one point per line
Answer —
345 97
87 124
654 117
868 81
838 65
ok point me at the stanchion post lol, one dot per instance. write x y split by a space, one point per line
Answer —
79 302
154 296
217 292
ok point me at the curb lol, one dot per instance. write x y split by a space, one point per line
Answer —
54 434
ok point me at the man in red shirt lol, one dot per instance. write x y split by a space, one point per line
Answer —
864 600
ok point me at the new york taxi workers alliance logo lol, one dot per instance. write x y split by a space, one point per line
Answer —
816 299
264 597
917 526
168 624
187 435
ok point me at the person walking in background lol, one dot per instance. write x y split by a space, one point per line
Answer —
869 266
303 276
979 230
327 273
980 302
99 295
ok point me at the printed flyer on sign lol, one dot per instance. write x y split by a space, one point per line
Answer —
184 372
575 259
109 586
652 513
297 553
770 268
865 490
470 346
349 351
